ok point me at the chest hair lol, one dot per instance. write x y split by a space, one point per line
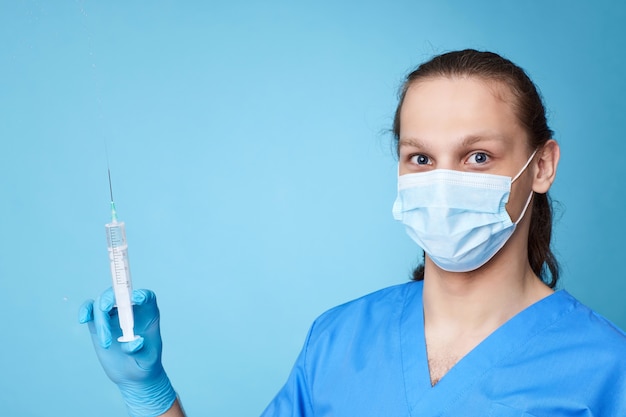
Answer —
439 363
444 353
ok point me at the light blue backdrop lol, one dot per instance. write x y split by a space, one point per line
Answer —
249 148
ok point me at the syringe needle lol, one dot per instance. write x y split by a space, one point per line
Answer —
113 211
110 186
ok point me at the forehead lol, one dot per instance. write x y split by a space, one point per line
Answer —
458 107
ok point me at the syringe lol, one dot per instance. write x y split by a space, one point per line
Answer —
120 272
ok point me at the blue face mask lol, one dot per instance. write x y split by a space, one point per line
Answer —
458 218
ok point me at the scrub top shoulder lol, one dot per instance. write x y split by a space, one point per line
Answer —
368 358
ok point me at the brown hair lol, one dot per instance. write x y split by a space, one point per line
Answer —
532 116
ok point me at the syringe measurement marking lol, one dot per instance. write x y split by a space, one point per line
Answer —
117 257
121 272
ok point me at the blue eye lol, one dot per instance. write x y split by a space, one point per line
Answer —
478 158
420 159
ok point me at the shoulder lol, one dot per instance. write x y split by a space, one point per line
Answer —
590 325
381 305
365 320
358 335
587 339
577 344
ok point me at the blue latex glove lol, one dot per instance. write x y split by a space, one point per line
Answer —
134 366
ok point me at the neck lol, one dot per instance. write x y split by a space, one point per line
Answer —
483 299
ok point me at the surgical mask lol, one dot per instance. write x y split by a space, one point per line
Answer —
458 218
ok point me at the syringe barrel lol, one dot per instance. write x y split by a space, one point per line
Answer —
120 275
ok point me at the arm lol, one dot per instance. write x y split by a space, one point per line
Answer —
135 367
175 411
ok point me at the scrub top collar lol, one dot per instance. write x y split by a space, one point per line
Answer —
512 336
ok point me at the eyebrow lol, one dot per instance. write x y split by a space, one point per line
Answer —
466 141
411 142
472 139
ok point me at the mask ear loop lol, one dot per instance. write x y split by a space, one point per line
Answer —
525 166
531 192
521 216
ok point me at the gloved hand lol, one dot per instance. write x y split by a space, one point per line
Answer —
134 366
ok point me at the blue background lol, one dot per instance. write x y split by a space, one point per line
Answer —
251 160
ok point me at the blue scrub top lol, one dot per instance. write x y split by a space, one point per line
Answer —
368 358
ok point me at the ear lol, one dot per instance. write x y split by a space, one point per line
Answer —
545 168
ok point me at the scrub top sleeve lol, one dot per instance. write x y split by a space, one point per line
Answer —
294 399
